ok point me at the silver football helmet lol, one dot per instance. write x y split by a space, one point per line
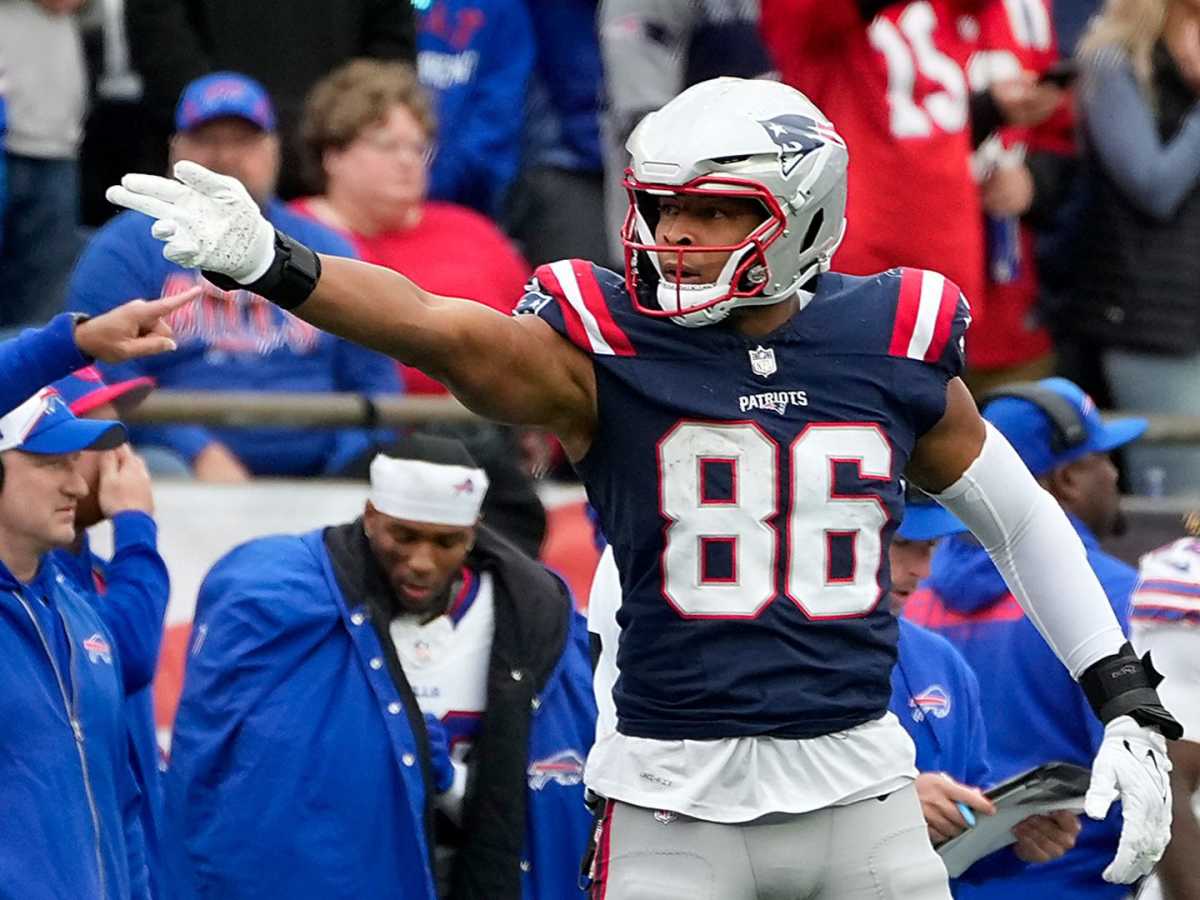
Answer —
734 137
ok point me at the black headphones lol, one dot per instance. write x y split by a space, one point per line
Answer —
1069 428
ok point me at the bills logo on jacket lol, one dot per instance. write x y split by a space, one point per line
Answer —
564 767
933 701
98 649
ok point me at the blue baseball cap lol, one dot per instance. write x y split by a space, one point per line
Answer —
45 425
1037 440
85 389
221 95
927 522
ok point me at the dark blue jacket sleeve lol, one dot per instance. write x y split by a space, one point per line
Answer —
34 359
135 842
978 771
479 151
136 600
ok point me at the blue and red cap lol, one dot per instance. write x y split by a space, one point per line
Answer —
85 390
223 95
45 425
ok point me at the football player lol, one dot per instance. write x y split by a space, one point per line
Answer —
741 417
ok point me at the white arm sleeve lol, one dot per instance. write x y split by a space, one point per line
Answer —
1032 543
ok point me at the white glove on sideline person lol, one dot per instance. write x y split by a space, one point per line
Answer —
1132 764
208 221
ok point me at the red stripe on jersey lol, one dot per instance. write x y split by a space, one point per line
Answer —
945 321
603 850
575 331
907 308
593 299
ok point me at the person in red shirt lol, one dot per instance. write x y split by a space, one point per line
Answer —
368 131
892 75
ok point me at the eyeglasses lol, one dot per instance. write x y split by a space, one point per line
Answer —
415 151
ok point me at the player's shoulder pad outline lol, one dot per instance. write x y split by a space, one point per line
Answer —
587 318
926 308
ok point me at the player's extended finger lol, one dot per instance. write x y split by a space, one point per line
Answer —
163 230
151 206
167 190
200 179
1102 790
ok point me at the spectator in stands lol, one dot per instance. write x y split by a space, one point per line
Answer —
1034 711
1166 613
653 51
369 132
287 48
45 97
1138 295
558 205
130 591
345 684
39 356
892 75
3 153
935 695
475 57
232 340
70 826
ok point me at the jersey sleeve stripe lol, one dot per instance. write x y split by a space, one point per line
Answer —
594 337
548 279
593 299
947 307
906 312
928 304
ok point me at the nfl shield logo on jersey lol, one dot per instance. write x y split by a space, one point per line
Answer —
762 361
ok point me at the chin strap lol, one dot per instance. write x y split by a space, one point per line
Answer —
1123 685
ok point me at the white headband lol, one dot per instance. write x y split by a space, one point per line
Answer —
420 491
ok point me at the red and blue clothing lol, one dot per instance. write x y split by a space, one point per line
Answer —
1034 711
750 488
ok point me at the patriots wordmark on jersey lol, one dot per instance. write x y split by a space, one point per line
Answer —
750 488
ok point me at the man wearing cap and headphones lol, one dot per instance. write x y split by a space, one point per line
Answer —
397 706
70 826
1033 713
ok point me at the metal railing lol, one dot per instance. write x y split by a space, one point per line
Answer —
332 410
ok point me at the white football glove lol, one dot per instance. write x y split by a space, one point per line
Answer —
208 221
1132 764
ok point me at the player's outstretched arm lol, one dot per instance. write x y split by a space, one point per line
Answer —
512 370
973 471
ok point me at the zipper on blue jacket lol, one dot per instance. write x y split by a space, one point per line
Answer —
76 725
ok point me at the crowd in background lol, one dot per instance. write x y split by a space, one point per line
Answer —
1044 158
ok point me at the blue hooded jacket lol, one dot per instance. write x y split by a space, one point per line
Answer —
70 822
252 345
1034 711
295 771
130 594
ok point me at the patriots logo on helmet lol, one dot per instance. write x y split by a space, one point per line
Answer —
933 701
797 136
564 767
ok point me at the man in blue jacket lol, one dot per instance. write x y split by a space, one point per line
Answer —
232 340
70 826
399 706
130 591
39 356
935 694
1034 714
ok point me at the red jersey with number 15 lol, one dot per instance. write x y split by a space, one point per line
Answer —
896 90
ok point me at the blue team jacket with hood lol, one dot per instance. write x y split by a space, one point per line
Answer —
1034 711
69 825
295 768
35 358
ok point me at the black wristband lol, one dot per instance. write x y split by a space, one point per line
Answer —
292 276
1123 685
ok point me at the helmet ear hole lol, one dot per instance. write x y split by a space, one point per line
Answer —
814 228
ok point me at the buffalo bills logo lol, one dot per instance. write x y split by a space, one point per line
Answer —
797 136
564 767
933 701
98 649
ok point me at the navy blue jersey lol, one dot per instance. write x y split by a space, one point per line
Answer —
750 488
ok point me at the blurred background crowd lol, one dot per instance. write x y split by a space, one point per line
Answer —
1044 155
